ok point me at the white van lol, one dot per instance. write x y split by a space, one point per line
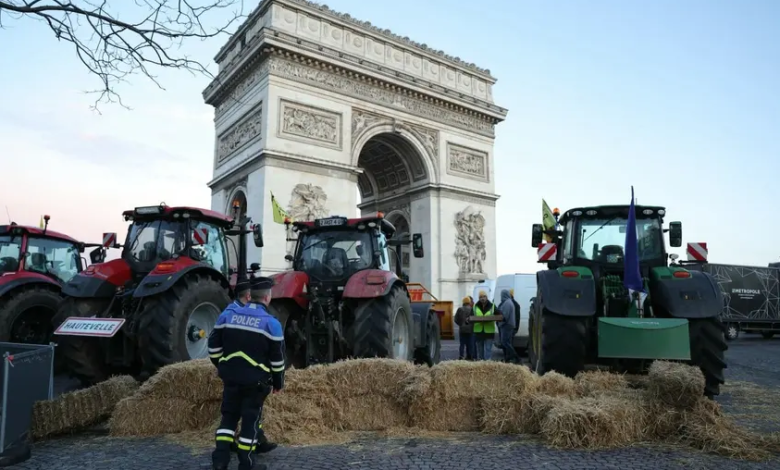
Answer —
525 289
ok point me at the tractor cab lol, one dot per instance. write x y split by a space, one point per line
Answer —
38 251
160 237
595 237
331 250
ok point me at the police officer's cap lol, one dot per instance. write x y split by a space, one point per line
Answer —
242 286
261 283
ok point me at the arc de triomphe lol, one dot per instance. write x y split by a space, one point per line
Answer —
310 102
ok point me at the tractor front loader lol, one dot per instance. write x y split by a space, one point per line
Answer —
157 304
583 313
341 300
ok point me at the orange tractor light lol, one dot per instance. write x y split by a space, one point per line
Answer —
556 212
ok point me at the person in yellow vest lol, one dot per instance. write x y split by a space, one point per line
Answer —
484 332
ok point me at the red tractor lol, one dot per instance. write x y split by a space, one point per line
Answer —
341 300
34 264
163 296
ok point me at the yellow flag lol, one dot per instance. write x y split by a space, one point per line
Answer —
41 225
548 220
279 213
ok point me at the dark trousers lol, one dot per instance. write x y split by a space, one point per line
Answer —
244 402
507 337
468 345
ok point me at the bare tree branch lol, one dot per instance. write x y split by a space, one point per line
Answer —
112 49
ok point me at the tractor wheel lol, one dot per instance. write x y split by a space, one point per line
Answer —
291 316
767 334
176 324
559 343
430 354
26 317
708 347
82 356
382 327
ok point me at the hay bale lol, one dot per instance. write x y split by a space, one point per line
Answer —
592 423
144 416
360 377
434 412
593 383
464 379
194 381
674 384
295 419
705 427
78 410
367 413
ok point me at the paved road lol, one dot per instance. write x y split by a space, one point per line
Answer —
751 360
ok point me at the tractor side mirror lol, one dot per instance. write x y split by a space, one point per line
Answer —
98 255
254 267
289 258
359 250
257 235
200 237
417 245
675 234
537 231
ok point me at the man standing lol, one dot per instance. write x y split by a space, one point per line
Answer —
484 331
517 310
247 347
507 330
465 330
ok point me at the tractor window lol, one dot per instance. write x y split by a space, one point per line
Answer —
384 256
10 247
51 257
334 255
213 252
156 240
603 240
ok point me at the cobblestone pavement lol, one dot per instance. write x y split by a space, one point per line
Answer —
752 362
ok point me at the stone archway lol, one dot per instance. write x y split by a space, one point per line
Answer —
310 102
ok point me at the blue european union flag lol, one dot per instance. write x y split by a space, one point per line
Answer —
632 278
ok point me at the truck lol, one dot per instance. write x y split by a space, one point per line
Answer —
751 297
157 304
341 299
34 264
584 314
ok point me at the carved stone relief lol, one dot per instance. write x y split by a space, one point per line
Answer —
307 202
383 96
242 87
247 129
470 250
462 161
303 122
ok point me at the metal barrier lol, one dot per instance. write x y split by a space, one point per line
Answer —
27 377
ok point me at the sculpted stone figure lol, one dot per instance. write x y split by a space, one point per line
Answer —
307 202
470 250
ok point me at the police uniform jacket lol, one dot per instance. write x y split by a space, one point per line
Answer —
247 346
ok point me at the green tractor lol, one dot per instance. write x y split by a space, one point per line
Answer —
584 314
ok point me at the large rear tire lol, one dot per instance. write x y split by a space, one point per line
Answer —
176 324
708 348
83 357
383 327
431 353
559 343
291 316
26 317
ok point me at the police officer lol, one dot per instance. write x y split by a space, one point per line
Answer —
242 293
247 346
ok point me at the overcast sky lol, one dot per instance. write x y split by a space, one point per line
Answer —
680 99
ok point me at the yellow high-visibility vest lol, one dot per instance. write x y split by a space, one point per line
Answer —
487 326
